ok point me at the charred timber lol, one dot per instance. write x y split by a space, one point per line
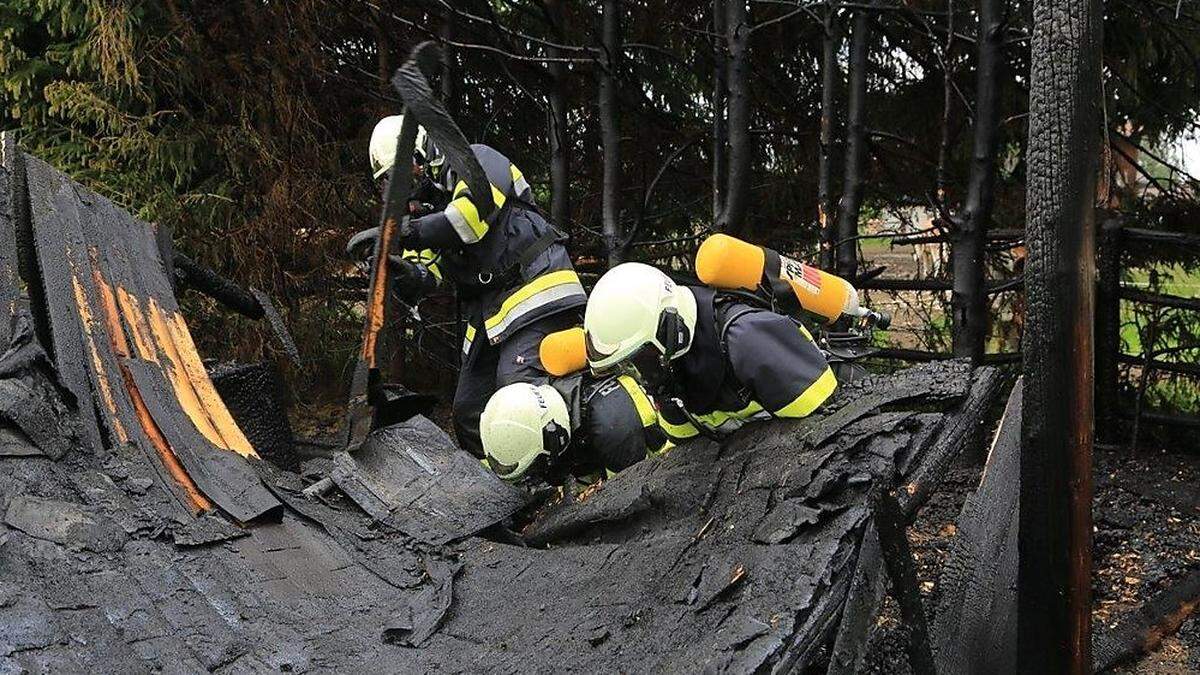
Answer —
1165 419
1143 630
1011 236
879 284
1142 235
890 523
1065 125
923 356
1192 369
192 275
1160 299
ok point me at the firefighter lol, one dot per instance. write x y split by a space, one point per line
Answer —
711 360
510 270
575 426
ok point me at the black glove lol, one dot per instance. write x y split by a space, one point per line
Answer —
362 245
410 281
416 209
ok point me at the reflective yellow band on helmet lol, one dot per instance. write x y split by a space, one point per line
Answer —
533 295
642 402
677 431
813 396
468 338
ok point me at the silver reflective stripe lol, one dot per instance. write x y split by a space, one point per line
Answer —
534 302
460 225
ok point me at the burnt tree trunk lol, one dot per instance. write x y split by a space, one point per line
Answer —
947 106
610 128
383 52
856 145
968 302
741 148
1065 129
449 74
831 78
720 141
560 147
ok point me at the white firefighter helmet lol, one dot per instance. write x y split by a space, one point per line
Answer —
636 311
382 148
521 423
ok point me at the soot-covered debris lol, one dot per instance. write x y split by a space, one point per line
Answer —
679 581
158 541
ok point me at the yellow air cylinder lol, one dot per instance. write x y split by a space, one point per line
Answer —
563 352
727 262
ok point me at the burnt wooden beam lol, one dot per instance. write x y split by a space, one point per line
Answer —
1192 369
1143 236
1160 299
1065 128
921 356
1164 419
192 275
1142 630
878 284
975 625
889 521
863 602
958 432
846 253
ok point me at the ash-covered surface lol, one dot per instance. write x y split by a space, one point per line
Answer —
729 557
1147 539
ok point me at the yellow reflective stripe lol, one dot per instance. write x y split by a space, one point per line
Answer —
497 194
813 396
424 257
464 218
645 409
528 291
679 431
468 338
716 419
520 185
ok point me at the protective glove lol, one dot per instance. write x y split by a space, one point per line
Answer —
362 245
417 209
410 281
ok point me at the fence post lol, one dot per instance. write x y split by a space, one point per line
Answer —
1109 249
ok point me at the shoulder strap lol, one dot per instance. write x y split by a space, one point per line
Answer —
539 246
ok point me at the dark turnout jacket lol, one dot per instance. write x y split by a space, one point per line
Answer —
745 362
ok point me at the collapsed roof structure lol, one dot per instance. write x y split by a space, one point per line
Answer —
139 529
